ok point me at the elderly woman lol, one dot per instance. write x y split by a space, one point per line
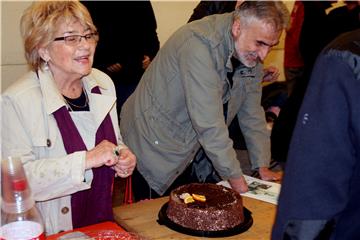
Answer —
61 119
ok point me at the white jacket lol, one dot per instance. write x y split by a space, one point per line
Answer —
29 130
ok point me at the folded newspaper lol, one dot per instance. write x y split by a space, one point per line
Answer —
259 189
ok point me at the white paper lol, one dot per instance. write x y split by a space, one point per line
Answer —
259 189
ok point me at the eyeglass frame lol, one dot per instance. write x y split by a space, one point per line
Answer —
89 36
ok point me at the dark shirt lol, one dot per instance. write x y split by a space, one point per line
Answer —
127 32
78 104
342 20
206 8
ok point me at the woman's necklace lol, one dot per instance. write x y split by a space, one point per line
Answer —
79 104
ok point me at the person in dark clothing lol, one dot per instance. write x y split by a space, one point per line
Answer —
128 42
315 18
345 18
293 61
206 8
324 204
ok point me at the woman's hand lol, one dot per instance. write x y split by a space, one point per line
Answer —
102 154
126 164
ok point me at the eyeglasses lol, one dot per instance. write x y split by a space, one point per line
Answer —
74 40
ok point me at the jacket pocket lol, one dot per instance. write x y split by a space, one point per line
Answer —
45 141
167 131
252 86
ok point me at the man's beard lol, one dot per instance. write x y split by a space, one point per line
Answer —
249 59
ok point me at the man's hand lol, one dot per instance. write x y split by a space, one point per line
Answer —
268 175
146 62
271 74
239 184
114 68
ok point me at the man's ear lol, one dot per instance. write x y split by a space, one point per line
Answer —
44 54
235 29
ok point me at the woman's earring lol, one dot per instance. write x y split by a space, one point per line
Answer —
46 66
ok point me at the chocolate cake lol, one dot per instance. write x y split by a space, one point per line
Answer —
205 207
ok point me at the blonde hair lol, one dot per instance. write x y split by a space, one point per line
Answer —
271 12
40 22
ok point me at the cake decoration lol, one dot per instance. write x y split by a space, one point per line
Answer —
199 197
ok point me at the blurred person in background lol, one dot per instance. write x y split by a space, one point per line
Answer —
314 21
128 42
293 61
344 19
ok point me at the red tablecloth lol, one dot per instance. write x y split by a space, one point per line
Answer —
96 227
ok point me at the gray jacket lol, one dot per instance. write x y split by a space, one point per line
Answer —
178 106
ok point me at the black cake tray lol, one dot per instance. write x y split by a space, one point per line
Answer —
164 220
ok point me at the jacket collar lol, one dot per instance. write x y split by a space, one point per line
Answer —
100 104
223 35
53 99
229 40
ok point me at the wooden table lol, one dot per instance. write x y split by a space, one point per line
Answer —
141 218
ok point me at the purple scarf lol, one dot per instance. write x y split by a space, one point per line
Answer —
95 204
